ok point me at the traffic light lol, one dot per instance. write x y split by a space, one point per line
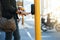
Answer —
32 9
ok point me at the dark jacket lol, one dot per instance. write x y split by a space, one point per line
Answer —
8 8
0 9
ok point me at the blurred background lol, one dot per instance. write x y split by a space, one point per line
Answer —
50 20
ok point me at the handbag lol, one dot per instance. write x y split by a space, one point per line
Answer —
7 25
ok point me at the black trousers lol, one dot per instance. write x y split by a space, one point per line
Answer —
15 33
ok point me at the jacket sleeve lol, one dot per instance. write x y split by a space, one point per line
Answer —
11 6
13 3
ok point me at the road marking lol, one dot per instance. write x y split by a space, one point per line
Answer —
28 33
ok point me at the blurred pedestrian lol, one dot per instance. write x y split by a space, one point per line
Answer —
48 18
8 11
21 12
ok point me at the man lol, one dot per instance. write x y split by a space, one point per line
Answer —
48 18
22 13
8 11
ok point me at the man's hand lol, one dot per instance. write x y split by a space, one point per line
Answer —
23 13
17 12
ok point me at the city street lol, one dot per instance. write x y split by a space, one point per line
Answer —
27 32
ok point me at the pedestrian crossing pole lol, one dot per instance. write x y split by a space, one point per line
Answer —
37 20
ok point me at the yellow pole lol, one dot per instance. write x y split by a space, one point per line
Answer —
37 20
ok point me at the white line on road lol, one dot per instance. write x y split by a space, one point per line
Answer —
28 34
